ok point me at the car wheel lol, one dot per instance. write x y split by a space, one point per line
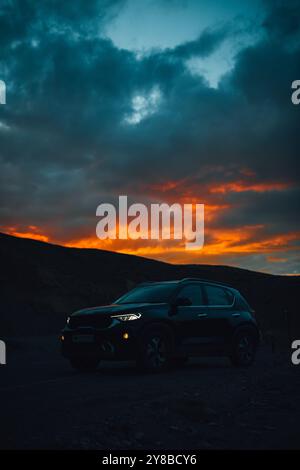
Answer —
243 349
84 364
155 350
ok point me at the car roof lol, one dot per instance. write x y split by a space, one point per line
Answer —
187 280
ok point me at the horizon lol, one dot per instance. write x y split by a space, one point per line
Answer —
145 257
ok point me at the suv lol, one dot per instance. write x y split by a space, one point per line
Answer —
161 322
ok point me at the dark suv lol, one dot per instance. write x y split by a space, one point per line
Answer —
161 322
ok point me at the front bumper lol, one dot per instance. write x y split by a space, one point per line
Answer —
118 342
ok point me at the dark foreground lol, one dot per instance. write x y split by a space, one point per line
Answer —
206 404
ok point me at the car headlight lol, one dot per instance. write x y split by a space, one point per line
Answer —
127 316
68 320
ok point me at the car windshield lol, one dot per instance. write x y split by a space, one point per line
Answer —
156 293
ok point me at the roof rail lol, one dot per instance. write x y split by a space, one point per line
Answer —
157 282
186 279
189 279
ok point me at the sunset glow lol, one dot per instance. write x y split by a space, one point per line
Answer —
190 112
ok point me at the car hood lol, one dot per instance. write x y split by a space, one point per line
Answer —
117 308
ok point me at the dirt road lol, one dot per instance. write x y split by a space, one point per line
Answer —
206 404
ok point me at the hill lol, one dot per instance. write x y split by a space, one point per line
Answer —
41 283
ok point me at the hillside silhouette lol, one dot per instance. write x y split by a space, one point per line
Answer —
42 283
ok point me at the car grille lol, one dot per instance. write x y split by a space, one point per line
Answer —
92 321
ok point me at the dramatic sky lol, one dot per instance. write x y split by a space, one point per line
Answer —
162 100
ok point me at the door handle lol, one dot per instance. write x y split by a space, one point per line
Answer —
202 314
235 314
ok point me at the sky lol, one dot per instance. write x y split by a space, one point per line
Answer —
164 101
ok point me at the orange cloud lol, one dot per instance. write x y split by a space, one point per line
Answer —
219 241
32 233
235 242
186 188
242 186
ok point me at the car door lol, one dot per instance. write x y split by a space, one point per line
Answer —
219 316
191 319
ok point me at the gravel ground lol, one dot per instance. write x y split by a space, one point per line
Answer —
206 404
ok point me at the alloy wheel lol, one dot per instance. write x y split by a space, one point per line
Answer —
156 352
245 350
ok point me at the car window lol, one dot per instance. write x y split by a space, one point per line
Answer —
193 292
218 296
152 293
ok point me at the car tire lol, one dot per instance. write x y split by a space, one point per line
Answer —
84 364
155 349
243 348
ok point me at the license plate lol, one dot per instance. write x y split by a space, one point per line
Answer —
83 338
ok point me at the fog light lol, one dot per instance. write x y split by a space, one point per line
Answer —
125 335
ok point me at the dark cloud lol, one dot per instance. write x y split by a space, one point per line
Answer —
67 143
25 19
283 20
203 46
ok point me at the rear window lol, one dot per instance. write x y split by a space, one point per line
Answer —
218 296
